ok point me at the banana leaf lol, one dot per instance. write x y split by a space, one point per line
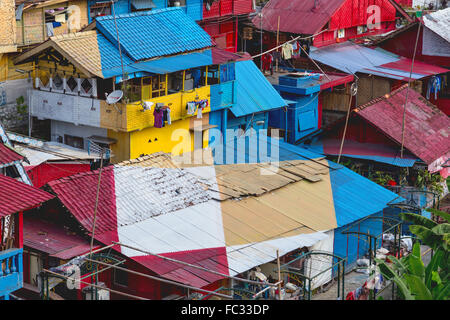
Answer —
427 236
439 213
442 229
433 266
418 219
418 288
390 274
416 266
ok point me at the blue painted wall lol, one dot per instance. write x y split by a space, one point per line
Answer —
194 8
120 7
302 117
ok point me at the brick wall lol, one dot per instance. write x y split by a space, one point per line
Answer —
7 26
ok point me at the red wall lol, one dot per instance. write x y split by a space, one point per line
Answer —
224 33
227 7
45 172
353 13
403 45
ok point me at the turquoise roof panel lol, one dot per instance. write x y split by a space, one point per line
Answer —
156 33
356 197
176 63
110 58
254 93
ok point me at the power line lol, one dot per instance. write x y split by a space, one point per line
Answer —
407 91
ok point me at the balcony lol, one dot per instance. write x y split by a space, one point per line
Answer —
89 111
11 271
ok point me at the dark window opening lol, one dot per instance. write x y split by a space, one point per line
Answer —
100 9
120 277
76 142
213 75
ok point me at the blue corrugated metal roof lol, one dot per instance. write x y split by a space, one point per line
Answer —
398 162
247 149
110 58
253 92
149 34
352 58
356 197
176 63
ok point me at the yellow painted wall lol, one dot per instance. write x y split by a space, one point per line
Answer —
121 149
8 69
7 26
139 140
137 119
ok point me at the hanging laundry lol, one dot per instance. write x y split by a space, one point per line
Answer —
50 32
169 121
267 63
434 85
158 114
286 51
56 24
191 107
306 47
202 104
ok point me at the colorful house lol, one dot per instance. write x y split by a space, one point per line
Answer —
330 21
375 133
378 71
303 91
171 74
238 223
433 47
50 160
15 198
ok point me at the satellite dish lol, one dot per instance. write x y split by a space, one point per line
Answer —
114 96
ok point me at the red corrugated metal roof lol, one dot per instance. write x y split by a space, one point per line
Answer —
8 155
426 127
53 239
404 64
297 16
78 194
212 259
17 196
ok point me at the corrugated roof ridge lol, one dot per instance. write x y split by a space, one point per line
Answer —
137 14
78 175
385 97
80 34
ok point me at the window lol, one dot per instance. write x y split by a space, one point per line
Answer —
175 82
120 277
100 9
133 89
76 142
57 16
213 75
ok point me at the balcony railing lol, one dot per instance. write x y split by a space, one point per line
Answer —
97 113
11 271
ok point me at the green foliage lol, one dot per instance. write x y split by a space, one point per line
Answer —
21 107
381 178
431 182
415 281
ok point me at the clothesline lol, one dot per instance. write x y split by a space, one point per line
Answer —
289 41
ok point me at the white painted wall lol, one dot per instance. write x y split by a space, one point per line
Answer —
60 128
65 107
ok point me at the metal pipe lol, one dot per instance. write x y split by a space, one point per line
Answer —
162 280
93 285
195 266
